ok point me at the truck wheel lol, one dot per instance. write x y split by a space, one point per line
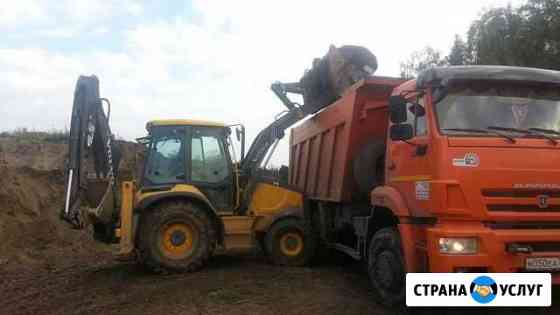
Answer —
386 267
288 244
176 237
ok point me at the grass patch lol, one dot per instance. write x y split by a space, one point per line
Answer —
24 135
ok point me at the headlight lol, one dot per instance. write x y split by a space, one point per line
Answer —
458 246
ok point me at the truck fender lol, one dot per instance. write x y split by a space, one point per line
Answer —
262 224
389 198
149 201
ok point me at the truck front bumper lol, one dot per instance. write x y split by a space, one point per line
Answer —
493 254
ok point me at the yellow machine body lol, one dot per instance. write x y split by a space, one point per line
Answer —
268 204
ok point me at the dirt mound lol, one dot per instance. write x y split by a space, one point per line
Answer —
30 232
40 156
31 196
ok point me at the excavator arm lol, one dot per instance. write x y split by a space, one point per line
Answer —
275 131
320 86
93 157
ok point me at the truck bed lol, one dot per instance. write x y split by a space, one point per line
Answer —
323 148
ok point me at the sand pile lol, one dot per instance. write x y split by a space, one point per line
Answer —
31 195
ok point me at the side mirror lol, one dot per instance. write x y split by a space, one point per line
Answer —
397 109
401 132
417 109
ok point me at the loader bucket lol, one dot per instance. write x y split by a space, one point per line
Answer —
333 74
100 199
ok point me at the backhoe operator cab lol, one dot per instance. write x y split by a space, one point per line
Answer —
187 152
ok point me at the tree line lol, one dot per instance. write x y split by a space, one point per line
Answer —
527 35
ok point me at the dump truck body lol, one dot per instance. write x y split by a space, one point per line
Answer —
325 150
470 177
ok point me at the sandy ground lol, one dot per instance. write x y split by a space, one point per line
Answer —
47 268
233 283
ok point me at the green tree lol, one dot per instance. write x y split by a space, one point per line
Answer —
541 33
525 36
459 54
421 60
494 39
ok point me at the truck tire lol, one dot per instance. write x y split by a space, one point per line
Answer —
288 243
176 237
386 267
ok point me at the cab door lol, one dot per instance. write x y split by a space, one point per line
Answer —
408 163
211 167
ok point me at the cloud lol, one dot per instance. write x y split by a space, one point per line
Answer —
20 12
214 60
65 18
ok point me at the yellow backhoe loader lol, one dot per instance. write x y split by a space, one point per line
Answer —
191 195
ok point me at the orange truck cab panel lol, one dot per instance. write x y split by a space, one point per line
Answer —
469 173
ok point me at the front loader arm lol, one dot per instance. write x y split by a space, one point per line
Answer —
267 138
92 153
275 131
320 86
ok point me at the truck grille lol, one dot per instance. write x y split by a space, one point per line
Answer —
519 193
536 200
522 208
541 247
523 225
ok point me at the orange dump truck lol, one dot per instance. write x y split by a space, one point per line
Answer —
456 171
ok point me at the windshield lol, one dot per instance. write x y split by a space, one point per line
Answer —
479 106
166 159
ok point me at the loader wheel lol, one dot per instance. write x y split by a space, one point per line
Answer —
176 237
386 267
288 244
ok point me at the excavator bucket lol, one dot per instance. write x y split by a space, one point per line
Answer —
333 74
93 157
323 84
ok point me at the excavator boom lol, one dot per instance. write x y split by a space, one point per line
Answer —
92 153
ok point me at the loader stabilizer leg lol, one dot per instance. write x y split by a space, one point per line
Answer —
126 230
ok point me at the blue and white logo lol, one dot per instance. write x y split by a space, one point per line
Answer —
483 289
478 290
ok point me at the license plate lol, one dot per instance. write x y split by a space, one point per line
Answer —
542 263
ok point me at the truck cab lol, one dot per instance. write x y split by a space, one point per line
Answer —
473 153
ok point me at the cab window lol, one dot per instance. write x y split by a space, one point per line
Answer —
418 122
420 127
209 161
166 157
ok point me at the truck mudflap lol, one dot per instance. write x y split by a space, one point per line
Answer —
499 250
93 157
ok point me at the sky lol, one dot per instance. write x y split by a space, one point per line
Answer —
200 59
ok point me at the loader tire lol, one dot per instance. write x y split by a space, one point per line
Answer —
386 267
176 237
288 243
